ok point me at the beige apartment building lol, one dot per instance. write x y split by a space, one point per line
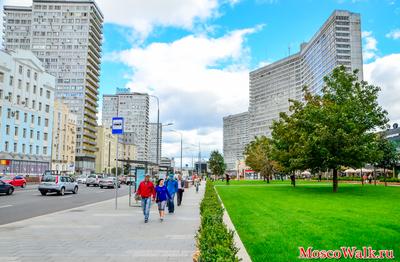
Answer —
64 138
107 150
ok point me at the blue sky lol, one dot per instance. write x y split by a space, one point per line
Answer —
196 54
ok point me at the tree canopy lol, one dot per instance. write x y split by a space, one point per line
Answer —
332 129
216 163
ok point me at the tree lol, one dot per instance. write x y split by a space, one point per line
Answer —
216 163
258 157
331 129
119 171
127 168
388 156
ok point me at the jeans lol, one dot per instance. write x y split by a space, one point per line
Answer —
180 195
146 203
171 205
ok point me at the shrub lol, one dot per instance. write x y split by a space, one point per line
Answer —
214 240
390 179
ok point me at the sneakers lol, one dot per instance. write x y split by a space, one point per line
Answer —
161 219
146 220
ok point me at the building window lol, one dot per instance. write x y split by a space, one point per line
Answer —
24 133
16 131
46 122
34 89
25 117
11 80
6 146
7 129
35 76
31 134
40 106
23 148
20 69
17 115
20 84
45 135
39 120
18 99
1 93
30 149
45 150
33 104
1 77
48 94
41 92
38 135
8 113
15 147
47 108
32 119
37 150
28 73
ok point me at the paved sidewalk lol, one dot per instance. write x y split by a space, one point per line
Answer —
99 233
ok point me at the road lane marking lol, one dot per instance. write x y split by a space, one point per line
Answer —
6 206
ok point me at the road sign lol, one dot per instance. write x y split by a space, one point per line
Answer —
117 125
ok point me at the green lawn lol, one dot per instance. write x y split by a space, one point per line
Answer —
273 221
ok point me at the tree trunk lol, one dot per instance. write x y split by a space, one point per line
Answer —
335 180
362 178
267 179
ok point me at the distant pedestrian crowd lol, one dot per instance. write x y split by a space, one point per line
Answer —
163 194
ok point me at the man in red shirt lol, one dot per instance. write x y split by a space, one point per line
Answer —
146 191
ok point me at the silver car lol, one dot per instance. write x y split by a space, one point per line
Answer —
93 180
109 182
81 179
58 184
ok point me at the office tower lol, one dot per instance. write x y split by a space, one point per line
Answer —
134 108
66 35
64 139
26 114
153 142
235 138
337 42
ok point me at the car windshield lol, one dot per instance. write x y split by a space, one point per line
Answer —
111 178
7 178
91 176
49 179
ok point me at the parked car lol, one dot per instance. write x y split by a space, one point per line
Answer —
93 180
81 179
6 188
17 181
129 180
58 184
109 182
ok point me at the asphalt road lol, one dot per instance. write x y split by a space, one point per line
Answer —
28 202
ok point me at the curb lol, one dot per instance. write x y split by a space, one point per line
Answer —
242 254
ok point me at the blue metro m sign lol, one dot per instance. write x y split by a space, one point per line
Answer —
117 125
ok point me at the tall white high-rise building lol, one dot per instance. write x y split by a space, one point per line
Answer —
153 142
338 42
66 35
134 108
235 138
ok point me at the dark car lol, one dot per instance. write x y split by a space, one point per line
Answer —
6 188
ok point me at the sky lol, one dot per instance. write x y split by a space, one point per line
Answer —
195 55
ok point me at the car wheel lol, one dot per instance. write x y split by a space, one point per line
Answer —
10 191
119 186
75 190
87 185
101 186
43 193
62 192
23 185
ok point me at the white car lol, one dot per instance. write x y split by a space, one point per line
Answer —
109 182
81 179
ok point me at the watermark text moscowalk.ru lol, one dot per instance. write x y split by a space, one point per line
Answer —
345 252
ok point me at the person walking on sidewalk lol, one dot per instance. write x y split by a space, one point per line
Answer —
146 191
172 187
181 189
162 196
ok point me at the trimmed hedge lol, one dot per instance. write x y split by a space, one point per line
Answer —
214 241
390 179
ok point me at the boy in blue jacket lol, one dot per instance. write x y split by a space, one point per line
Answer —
172 187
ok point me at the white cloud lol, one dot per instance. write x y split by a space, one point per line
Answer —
370 46
199 79
143 16
394 34
385 72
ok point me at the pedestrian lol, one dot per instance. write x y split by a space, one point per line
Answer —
197 183
370 178
319 177
227 177
172 187
146 191
181 189
293 179
162 196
